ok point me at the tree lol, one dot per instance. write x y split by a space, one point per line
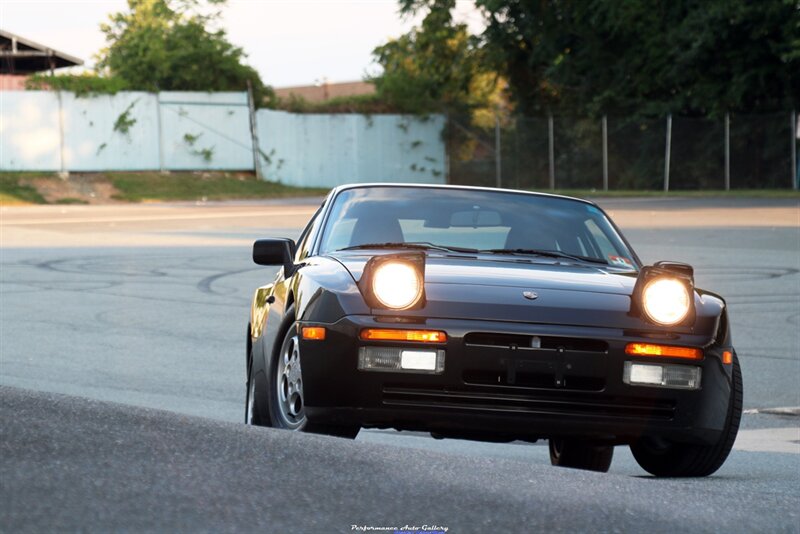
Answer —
437 67
167 45
644 58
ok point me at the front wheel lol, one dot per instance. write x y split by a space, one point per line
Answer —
252 413
580 454
286 395
286 386
665 459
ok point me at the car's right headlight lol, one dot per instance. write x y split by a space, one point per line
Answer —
397 284
666 301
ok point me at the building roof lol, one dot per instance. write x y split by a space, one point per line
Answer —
326 91
23 56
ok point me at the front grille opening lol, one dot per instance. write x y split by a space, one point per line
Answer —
510 400
498 340
524 379
494 339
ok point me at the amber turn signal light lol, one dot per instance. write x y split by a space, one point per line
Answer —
385 334
727 357
314 332
668 351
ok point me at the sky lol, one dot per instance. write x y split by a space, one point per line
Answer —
289 42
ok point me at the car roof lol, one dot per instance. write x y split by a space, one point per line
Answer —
346 187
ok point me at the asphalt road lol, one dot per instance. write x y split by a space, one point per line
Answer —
147 306
70 464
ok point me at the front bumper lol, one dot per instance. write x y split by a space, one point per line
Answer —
494 389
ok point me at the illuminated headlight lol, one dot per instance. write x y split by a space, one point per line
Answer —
397 284
666 301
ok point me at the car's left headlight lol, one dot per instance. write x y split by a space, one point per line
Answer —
666 301
397 284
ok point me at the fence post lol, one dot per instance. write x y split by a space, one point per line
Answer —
551 150
253 131
605 153
448 135
160 133
727 151
497 151
795 172
667 154
62 165
516 152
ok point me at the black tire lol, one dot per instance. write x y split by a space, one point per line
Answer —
578 454
664 459
252 410
286 401
340 431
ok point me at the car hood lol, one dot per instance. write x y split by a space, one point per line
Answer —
509 271
522 289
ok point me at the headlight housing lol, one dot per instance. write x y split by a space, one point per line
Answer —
664 294
666 301
395 282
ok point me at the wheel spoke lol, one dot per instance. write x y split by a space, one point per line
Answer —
289 385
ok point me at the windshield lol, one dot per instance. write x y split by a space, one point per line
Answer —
476 220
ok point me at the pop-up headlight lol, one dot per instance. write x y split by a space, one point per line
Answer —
396 282
664 293
666 301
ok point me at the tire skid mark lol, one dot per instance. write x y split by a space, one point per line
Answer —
127 267
107 318
204 285
748 355
723 273
69 285
88 265
237 303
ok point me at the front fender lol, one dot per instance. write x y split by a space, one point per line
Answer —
259 309
325 291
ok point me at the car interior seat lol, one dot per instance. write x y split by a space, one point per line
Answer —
528 237
376 230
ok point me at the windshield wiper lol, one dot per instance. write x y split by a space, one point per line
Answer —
422 245
545 253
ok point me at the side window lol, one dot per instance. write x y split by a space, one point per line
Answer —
340 234
601 240
304 241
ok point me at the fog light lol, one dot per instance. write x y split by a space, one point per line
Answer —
646 374
395 359
666 376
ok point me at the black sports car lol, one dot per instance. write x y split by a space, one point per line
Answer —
493 315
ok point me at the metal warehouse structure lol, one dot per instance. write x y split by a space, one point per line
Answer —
20 57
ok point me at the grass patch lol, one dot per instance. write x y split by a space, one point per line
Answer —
13 190
138 187
70 200
735 193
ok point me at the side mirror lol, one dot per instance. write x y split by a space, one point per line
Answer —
275 251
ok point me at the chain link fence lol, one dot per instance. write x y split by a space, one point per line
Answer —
619 153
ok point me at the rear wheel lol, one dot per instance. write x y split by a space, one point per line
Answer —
665 459
579 454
